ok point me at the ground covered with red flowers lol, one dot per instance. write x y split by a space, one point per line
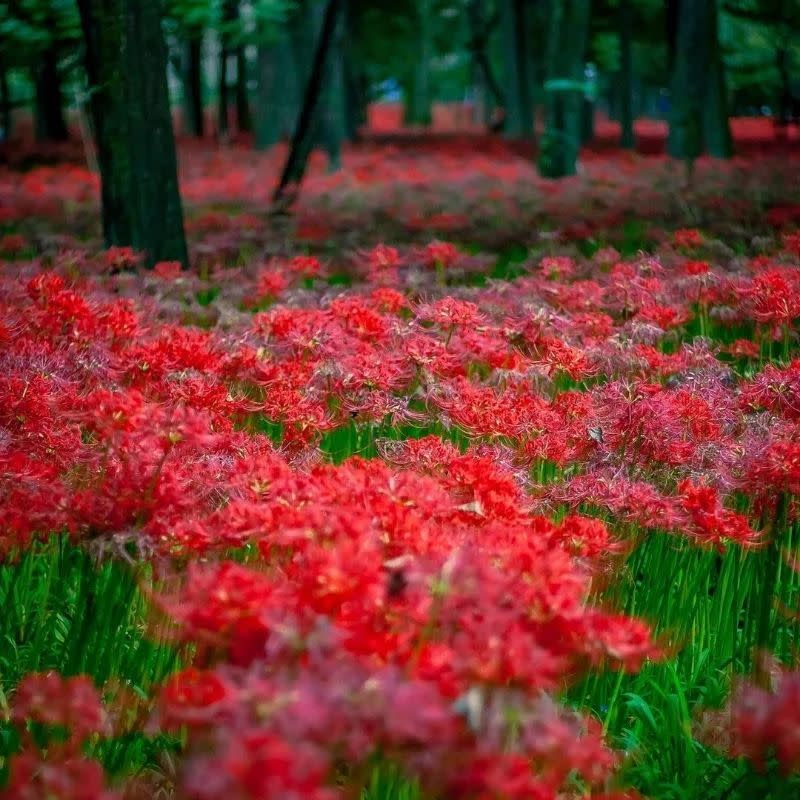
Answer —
454 484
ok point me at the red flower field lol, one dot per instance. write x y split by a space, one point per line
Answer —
457 483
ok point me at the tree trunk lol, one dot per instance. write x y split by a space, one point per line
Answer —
486 85
276 106
50 123
716 126
560 145
627 139
355 98
243 119
222 91
304 133
333 101
518 105
698 113
355 84
418 94
5 104
784 114
230 11
193 85
126 63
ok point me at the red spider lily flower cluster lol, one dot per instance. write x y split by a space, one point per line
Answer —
762 724
421 606
70 711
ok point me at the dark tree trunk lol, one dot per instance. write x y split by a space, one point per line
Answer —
5 104
484 75
50 123
698 113
355 95
277 95
355 88
716 126
243 119
222 92
230 11
560 145
333 120
418 91
784 115
303 136
672 18
627 139
126 63
518 105
193 85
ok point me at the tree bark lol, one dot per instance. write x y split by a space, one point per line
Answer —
275 111
50 123
627 138
518 101
304 132
698 113
716 126
126 64
418 91
355 93
355 84
333 102
222 91
230 11
560 145
193 85
784 114
486 86
244 122
5 104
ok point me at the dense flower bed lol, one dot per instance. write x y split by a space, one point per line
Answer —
498 527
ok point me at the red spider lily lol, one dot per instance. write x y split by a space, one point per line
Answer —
73 778
71 711
449 313
12 244
168 270
766 723
776 390
688 238
409 606
121 257
712 523
305 266
50 700
440 255
773 296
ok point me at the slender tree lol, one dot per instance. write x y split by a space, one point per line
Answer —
625 25
333 103
355 82
193 83
305 130
230 12
480 29
243 117
560 144
126 66
418 91
518 100
698 114
5 102
279 85
50 123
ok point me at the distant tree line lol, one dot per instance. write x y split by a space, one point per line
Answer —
306 70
